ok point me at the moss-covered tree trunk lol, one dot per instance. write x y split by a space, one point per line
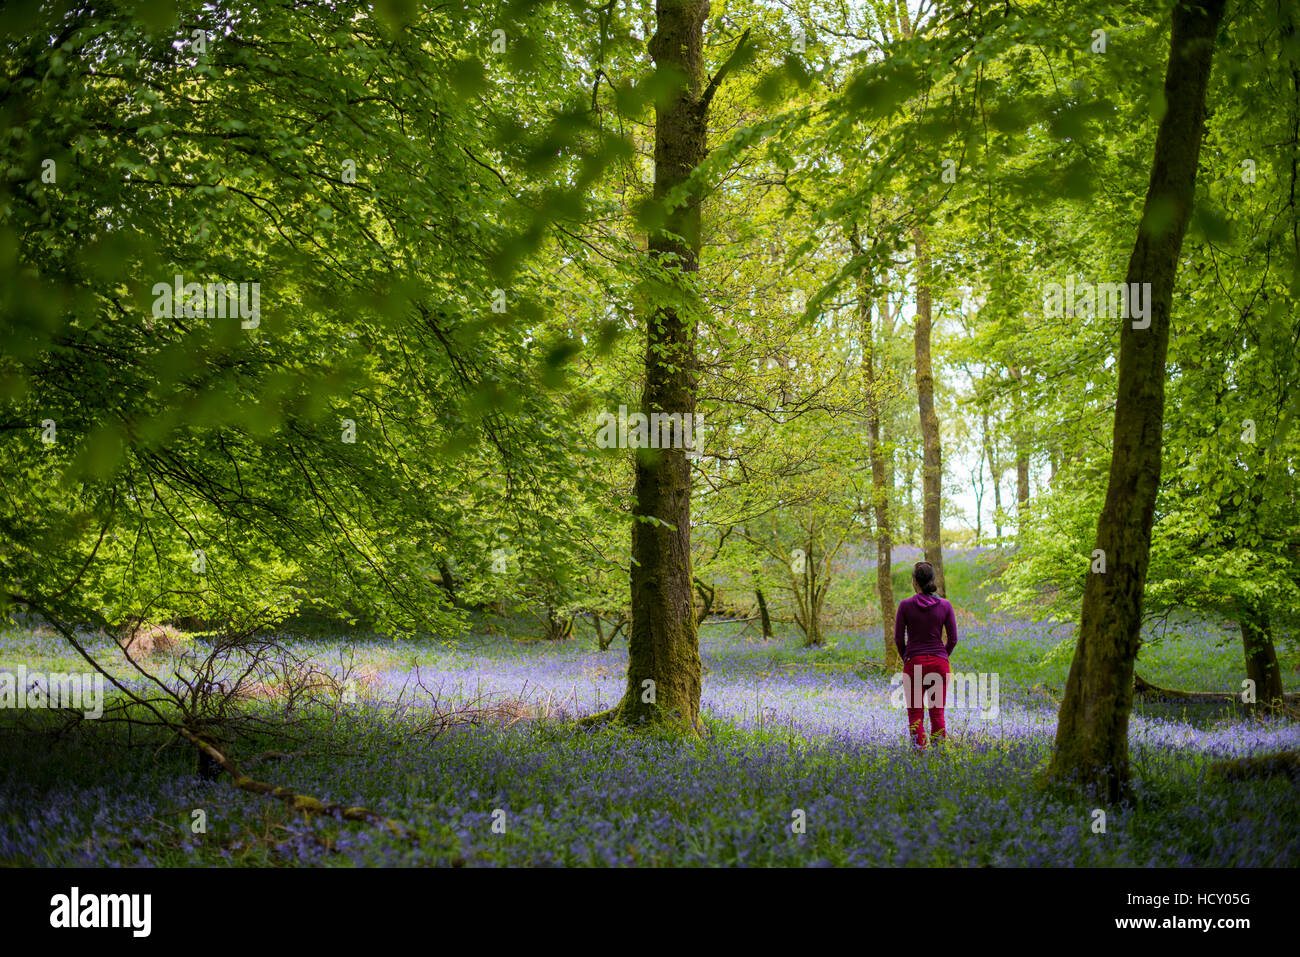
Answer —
1261 656
932 461
663 673
1092 734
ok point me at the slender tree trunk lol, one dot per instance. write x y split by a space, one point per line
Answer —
805 585
997 479
812 607
1022 454
884 552
997 508
886 371
987 456
1092 732
872 386
663 672
819 601
1261 657
763 615
932 467
911 505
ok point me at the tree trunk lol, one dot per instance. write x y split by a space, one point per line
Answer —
911 506
603 641
1092 733
763 614
558 627
997 480
1261 657
986 454
932 467
809 583
707 594
663 672
1022 455
872 386
808 593
448 581
887 453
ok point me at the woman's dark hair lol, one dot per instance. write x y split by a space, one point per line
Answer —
923 572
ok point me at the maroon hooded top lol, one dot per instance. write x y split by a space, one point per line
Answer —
923 618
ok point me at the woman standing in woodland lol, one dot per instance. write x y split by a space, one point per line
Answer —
918 635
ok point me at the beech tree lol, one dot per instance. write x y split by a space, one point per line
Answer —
1092 734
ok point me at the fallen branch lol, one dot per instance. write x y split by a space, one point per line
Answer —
1143 687
1258 766
299 802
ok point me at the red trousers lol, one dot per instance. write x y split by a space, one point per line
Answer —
922 693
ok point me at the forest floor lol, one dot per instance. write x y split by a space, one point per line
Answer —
806 762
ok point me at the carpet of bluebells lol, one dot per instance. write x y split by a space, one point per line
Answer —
795 735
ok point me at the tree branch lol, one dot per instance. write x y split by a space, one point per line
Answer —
718 77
